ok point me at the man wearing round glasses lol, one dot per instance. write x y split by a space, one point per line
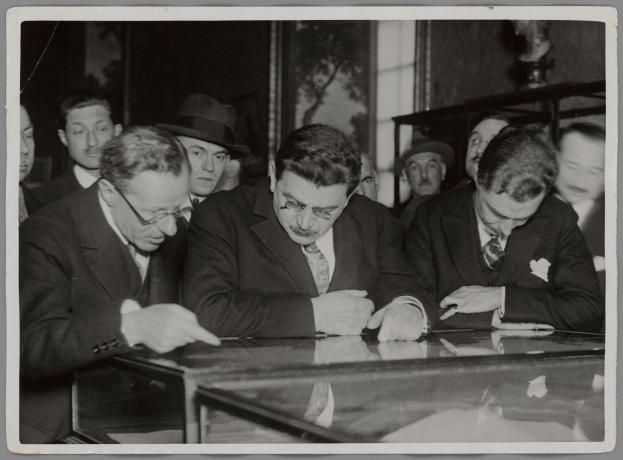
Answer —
99 273
303 254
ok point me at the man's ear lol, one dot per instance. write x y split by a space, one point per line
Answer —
62 136
107 190
443 171
272 175
118 128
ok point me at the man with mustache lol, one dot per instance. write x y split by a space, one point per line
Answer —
424 166
507 251
206 129
85 124
304 253
489 125
27 203
99 273
580 183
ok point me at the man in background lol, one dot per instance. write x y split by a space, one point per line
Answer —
424 166
27 203
489 125
580 183
507 251
85 123
304 254
99 273
369 179
206 129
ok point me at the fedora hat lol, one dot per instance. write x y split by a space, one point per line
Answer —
426 145
203 117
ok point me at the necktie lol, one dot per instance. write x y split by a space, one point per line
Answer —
492 251
319 267
134 253
23 212
195 202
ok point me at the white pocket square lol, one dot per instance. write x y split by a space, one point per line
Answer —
540 268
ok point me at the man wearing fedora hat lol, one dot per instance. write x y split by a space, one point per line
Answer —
424 166
206 128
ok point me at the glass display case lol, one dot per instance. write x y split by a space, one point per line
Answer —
144 397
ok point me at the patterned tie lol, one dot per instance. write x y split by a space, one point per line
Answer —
319 267
492 251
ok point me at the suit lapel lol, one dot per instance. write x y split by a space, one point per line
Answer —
347 245
520 249
103 250
276 240
460 231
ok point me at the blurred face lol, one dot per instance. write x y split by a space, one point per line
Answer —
87 129
305 210
27 144
207 164
151 194
368 185
581 160
500 213
480 137
425 172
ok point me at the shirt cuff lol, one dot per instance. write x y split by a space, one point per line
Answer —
409 300
129 306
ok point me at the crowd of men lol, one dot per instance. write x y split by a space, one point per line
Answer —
149 239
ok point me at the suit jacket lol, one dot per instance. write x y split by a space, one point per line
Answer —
245 277
32 204
74 275
443 247
57 188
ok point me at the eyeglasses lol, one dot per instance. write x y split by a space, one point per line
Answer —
157 217
297 207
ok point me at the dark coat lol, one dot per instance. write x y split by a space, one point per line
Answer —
245 277
443 247
74 275
57 188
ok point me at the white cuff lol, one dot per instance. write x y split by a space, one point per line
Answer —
320 317
129 306
413 301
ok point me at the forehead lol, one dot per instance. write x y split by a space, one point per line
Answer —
308 193
191 142
366 164
489 127
156 189
423 158
582 149
88 114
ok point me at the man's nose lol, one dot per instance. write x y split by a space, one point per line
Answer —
92 140
208 164
168 225
305 219
481 147
23 147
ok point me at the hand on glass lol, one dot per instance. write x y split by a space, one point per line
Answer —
398 321
164 327
471 299
342 312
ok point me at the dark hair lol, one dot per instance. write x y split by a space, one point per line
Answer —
79 99
321 154
587 129
519 162
138 149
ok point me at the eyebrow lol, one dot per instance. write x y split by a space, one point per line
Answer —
290 197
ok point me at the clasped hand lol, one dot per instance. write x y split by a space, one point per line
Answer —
471 299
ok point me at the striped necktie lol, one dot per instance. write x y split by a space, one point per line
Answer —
319 267
492 251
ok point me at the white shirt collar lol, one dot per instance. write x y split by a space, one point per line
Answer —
83 177
109 219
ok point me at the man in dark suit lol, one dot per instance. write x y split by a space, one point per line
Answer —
303 255
27 203
507 252
580 183
99 273
85 124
